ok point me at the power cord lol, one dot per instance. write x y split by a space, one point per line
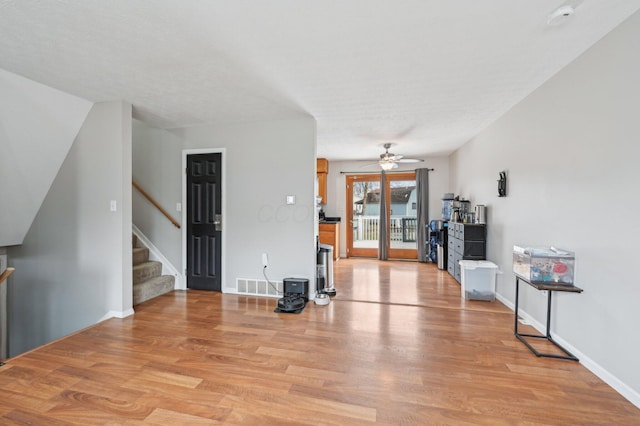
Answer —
264 272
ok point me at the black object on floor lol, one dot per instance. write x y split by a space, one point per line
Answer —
291 303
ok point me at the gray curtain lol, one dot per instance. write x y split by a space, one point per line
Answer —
422 194
383 224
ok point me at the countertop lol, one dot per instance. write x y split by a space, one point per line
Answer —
330 220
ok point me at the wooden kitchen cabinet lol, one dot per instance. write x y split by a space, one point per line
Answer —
322 165
322 187
330 234
322 169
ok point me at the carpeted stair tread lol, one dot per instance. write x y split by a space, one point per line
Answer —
152 287
147 279
140 255
146 270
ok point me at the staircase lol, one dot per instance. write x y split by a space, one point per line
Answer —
148 281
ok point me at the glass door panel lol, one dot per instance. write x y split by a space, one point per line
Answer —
363 212
403 219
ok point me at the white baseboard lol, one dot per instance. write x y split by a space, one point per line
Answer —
617 384
156 254
116 314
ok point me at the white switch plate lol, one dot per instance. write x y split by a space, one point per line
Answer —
113 206
291 199
178 207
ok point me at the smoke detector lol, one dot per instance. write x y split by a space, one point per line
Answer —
560 15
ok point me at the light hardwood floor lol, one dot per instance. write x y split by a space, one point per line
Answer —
396 346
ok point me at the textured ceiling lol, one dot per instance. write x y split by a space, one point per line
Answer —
426 75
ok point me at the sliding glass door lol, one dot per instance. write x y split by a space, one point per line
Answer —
363 213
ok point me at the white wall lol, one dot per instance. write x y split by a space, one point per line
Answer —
37 127
336 189
571 153
265 162
74 267
157 169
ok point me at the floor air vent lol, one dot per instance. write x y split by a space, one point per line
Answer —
258 287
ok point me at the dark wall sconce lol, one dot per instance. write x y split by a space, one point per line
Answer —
502 185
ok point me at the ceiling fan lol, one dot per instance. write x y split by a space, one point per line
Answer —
390 161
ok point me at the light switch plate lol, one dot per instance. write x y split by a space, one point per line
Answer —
291 199
113 206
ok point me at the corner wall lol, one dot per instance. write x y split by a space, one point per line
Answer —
74 267
37 127
571 154
265 162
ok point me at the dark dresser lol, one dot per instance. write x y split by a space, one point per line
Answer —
466 241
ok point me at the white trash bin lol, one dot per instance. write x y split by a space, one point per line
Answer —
478 280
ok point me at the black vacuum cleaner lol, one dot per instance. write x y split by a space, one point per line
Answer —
296 295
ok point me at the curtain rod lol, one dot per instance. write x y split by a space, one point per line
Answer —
377 173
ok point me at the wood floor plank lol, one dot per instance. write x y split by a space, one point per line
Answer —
21 417
397 346
316 411
205 409
167 417
105 389
113 406
165 378
22 399
81 415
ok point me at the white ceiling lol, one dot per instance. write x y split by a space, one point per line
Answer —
427 75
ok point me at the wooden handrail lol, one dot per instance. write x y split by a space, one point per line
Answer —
6 274
152 201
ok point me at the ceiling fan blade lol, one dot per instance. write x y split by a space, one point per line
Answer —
410 160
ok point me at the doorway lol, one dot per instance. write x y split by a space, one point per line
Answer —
203 230
363 215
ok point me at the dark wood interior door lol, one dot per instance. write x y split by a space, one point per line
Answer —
204 225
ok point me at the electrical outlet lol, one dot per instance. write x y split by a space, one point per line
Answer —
265 260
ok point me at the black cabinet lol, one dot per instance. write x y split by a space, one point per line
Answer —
467 241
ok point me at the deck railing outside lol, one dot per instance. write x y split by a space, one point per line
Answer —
365 228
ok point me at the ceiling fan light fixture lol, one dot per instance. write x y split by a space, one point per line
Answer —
387 165
390 161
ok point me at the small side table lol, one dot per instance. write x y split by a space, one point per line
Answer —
550 288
